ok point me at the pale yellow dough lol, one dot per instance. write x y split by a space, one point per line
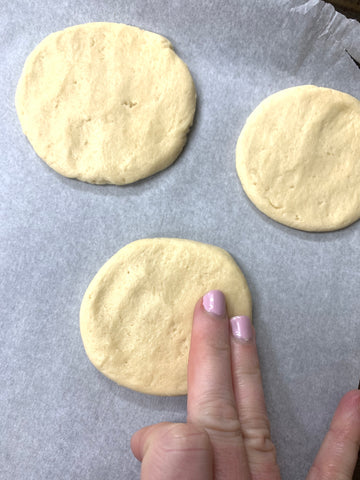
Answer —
106 102
298 158
136 315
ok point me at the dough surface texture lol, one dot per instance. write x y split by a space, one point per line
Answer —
106 102
298 158
136 315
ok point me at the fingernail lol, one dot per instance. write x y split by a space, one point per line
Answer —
214 302
241 328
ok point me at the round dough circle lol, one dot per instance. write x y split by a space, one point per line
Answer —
298 158
106 102
136 315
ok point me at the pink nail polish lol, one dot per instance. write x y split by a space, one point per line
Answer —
241 328
214 302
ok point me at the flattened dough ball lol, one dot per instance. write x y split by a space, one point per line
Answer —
106 102
136 315
298 158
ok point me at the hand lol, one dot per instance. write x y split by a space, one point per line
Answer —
227 434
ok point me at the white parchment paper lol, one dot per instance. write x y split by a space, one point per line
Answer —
60 418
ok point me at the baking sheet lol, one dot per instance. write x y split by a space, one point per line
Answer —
60 418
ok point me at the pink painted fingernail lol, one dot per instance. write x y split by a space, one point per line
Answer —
214 302
241 328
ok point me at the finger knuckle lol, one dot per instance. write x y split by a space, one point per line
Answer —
242 372
182 437
343 437
219 347
261 443
225 428
218 414
318 472
257 437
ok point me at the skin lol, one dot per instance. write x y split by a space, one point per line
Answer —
227 434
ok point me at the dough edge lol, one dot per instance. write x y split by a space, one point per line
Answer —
163 390
257 199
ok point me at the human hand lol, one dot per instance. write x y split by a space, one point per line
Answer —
227 434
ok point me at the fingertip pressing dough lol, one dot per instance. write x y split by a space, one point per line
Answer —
136 315
298 158
106 102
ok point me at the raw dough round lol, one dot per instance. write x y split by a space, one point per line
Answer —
298 158
106 102
136 315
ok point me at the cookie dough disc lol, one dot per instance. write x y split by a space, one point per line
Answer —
106 102
136 315
298 158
